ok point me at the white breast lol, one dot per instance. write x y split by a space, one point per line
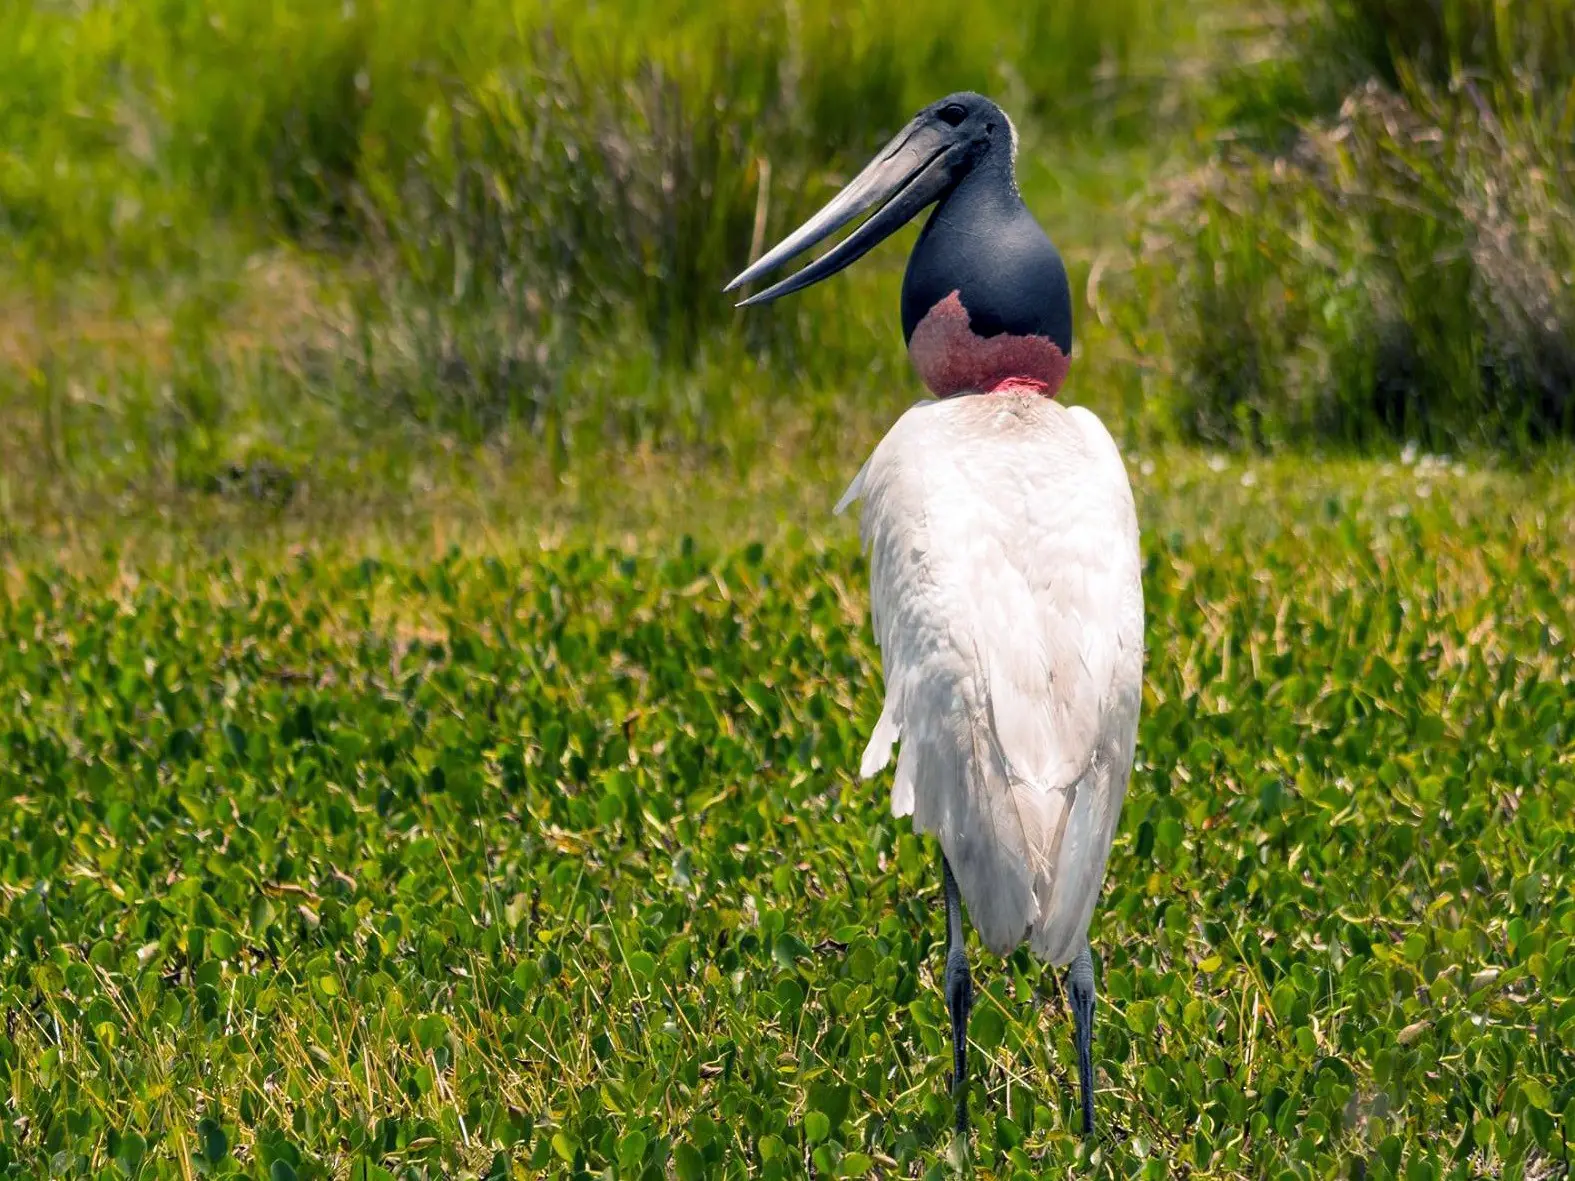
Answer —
1006 594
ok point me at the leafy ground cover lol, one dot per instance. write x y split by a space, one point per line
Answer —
492 859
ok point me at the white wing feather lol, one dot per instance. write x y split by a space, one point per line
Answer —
1006 594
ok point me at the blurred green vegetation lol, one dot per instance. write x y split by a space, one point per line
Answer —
1386 250
266 246
1527 42
257 248
123 120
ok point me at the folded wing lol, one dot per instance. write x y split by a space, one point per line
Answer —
1005 590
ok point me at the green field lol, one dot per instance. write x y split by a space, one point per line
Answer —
431 677
322 862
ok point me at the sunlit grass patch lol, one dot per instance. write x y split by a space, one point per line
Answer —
553 856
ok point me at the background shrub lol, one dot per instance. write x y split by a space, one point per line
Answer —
1401 268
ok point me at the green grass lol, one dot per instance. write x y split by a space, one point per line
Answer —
237 236
129 126
1527 43
264 246
281 365
1379 250
346 858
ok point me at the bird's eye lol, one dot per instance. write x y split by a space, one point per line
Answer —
953 115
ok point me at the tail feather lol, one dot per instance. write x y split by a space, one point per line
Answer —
878 753
1008 839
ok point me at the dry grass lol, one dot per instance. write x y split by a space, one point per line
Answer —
1402 271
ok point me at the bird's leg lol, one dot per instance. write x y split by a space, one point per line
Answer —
1080 988
959 995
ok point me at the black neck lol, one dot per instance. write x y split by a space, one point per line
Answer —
982 242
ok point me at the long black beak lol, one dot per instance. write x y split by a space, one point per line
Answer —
914 169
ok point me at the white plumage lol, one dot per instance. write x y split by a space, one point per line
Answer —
1006 595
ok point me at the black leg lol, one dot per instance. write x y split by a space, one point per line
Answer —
1080 990
959 995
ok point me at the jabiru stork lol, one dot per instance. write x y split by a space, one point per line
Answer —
1005 577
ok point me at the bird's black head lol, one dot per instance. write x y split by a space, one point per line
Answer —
985 301
978 123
